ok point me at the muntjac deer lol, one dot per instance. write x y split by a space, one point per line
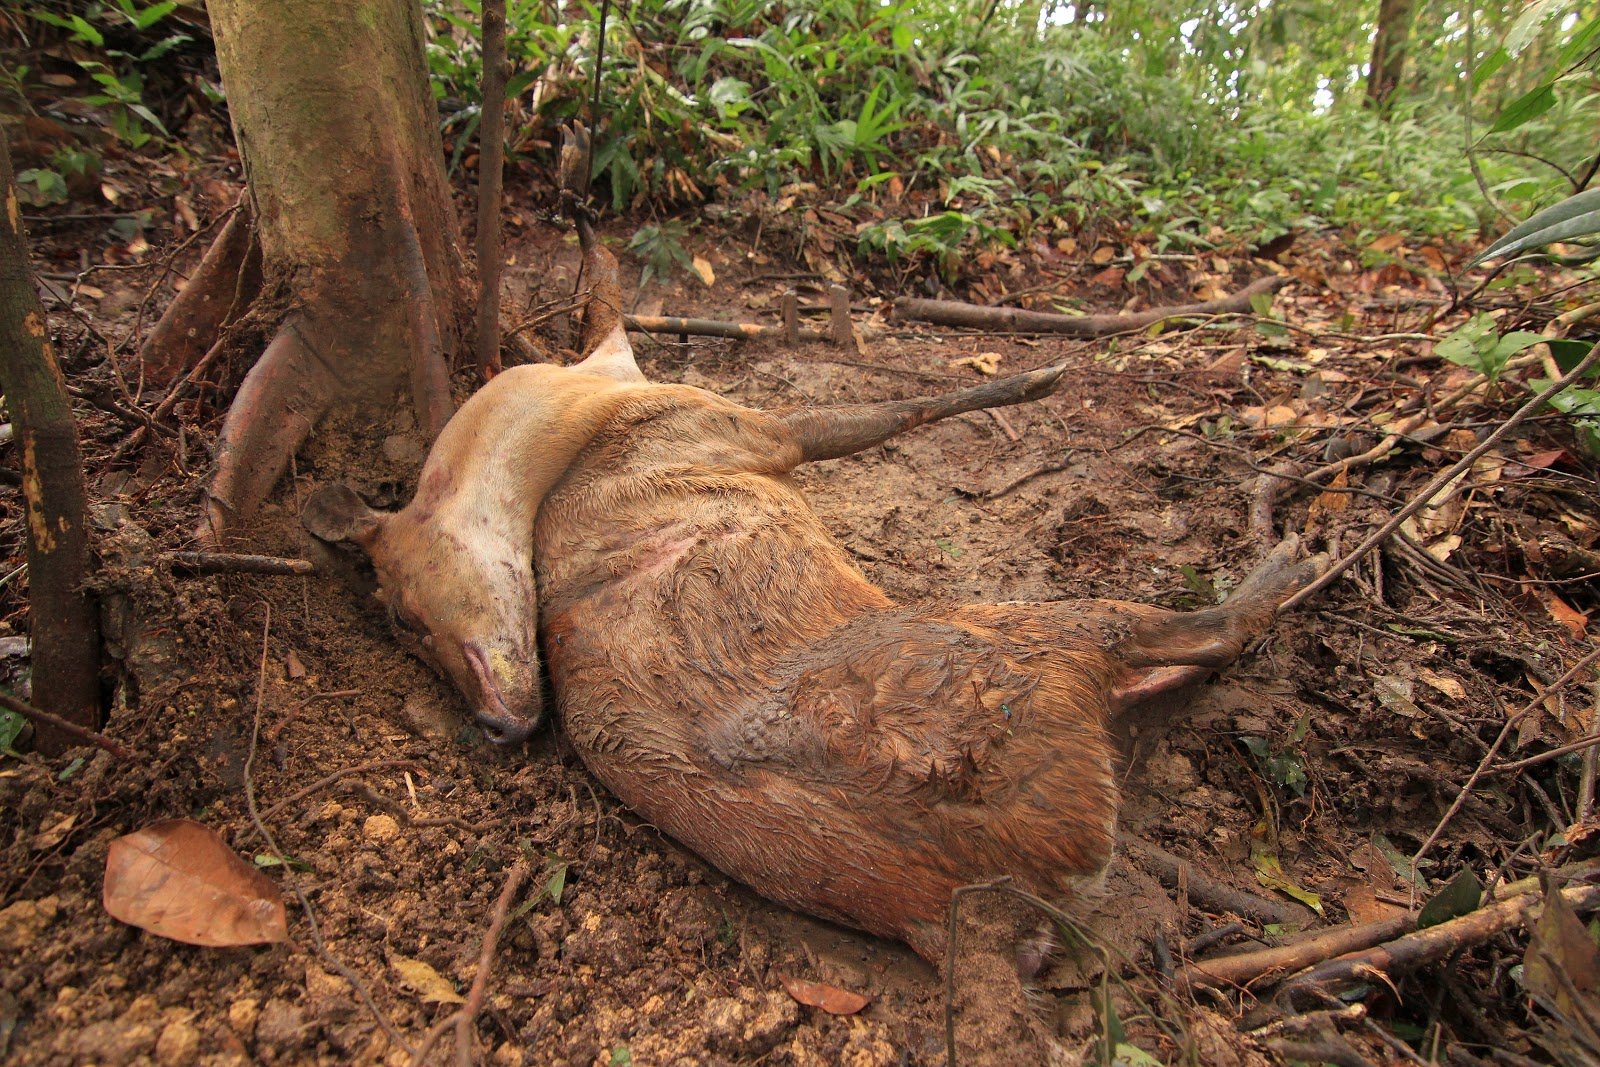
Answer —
724 668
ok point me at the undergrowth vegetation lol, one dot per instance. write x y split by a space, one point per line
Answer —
931 130
964 123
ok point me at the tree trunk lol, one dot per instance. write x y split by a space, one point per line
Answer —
361 281
65 629
1389 46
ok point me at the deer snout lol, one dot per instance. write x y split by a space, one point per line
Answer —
507 705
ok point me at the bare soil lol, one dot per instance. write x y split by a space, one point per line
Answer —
1134 482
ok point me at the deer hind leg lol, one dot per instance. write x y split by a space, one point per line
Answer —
1169 650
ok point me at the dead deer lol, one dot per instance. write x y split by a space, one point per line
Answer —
723 667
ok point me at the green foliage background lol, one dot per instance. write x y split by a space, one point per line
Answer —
988 118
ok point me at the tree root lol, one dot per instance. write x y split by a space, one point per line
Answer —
225 283
1170 870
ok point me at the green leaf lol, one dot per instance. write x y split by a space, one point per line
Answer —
1460 895
11 727
556 884
1525 108
154 14
1489 67
622 1056
1270 872
1580 44
1401 863
1569 353
86 32
70 769
1576 216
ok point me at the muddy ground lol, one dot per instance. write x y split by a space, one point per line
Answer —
1335 745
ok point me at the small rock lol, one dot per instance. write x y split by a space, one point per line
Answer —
242 1016
282 1024
22 922
402 448
178 1045
380 828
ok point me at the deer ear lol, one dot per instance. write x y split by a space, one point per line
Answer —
336 513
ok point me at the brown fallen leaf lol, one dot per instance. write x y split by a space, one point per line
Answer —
1331 503
829 998
427 982
179 879
53 830
293 667
1561 943
1574 620
703 271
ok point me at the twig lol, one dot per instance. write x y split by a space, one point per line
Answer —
329 779
1272 963
1494 750
234 563
468 1015
327 957
1208 891
71 729
1425 497
1436 942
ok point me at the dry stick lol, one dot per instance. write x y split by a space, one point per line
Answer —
329 779
1272 963
491 167
235 563
1494 750
1243 968
1441 480
1436 942
468 1014
739 331
261 828
70 729
1586 775
1208 891
979 316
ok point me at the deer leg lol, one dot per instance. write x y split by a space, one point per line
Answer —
829 433
1179 649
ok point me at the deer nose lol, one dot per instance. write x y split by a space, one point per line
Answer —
503 728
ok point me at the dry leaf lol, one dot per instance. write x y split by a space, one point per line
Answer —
179 879
1574 620
429 983
831 999
53 830
293 667
1329 503
1387 243
1560 942
1102 255
1442 682
1362 902
702 269
983 362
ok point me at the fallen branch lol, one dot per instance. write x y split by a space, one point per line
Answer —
739 331
67 729
1174 871
1270 964
1437 942
1267 965
980 317
233 563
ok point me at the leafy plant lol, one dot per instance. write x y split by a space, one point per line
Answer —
1477 344
661 247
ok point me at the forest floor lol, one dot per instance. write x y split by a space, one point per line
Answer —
1321 762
